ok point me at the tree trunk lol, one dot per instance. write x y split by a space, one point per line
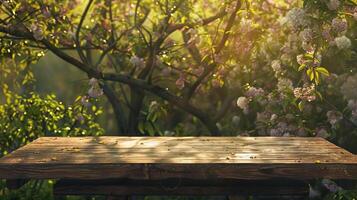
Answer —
136 102
117 108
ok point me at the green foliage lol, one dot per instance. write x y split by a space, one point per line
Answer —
25 118
342 195
151 124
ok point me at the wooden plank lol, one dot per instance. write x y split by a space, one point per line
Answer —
175 157
195 171
188 158
180 187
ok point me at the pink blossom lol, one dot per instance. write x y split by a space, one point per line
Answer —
95 92
37 32
306 93
254 92
46 13
198 71
180 82
216 83
166 71
330 185
85 101
339 25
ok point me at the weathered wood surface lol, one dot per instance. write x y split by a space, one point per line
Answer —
157 158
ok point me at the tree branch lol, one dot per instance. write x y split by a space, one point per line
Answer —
206 21
209 68
78 43
166 95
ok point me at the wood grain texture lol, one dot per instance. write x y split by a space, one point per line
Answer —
157 158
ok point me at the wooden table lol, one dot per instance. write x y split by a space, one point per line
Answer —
179 165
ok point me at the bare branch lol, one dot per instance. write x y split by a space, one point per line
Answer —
206 21
78 43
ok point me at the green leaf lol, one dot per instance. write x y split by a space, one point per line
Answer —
301 105
319 95
150 129
322 70
317 77
301 67
141 127
310 74
308 56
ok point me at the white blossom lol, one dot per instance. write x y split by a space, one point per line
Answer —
254 92
235 120
307 46
273 117
348 88
93 82
276 65
243 103
95 92
219 126
169 133
333 117
137 62
343 42
296 17
284 84
333 4
300 59
306 35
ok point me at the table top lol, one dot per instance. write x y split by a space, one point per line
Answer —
190 157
